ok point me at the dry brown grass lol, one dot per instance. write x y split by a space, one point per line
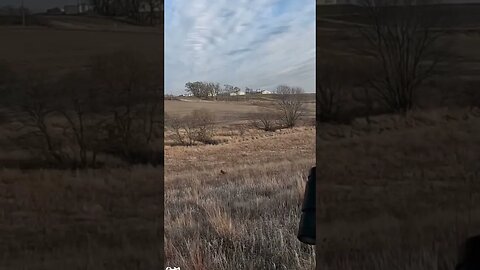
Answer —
109 218
246 218
229 112
95 219
402 195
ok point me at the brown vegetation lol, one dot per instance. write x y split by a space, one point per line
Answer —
398 191
222 202
105 212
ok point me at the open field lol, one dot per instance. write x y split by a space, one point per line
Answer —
230 112
408 201
96 219
246 218
236 205
107 218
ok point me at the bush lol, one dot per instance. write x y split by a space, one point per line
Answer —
203 122
267 120
291 104
197 126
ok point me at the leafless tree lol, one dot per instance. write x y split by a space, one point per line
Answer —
204 122
291 104
132 96
142 11
78 103
267 120
35 109
331 86
401 39
198 126
176 124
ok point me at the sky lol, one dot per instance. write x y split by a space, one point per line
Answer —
245 43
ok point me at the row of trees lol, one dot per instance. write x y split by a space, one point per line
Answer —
113 108
203 89
211 90
142 11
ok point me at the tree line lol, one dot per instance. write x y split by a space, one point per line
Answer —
142 11
206 90
111 109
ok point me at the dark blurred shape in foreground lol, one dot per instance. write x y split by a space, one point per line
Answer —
469 256
307 228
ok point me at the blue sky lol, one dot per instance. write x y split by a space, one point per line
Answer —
246 43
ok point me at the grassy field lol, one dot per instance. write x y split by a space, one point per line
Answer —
229 112
97 219
236 205
402 192
108 218
410 199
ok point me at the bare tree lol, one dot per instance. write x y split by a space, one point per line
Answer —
267 120
35 109
198 126
132 96
204 122
79 105
331 86
401 41
291 104
176 124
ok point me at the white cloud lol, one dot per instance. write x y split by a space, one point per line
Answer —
245 43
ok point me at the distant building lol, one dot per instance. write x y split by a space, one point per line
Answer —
239 93
266 92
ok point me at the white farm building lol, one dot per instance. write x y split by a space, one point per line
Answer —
239 93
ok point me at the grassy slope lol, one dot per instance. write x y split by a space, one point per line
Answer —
246 218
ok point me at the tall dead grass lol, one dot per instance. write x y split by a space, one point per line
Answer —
92 219
246 218
404 198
